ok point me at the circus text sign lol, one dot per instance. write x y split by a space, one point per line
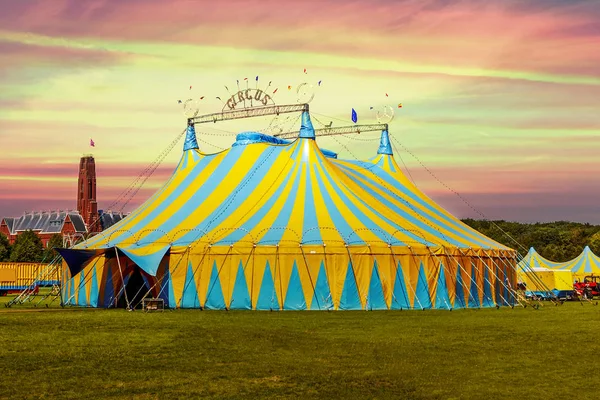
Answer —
246 98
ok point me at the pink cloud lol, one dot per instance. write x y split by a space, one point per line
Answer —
460 34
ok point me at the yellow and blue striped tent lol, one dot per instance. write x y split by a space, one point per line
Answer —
270 224
533 260
586 264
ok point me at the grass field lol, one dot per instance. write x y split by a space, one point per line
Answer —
550 353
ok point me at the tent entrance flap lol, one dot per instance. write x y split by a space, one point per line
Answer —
77 258
135 288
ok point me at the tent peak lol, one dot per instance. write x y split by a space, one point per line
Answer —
190 137
385 147
306 129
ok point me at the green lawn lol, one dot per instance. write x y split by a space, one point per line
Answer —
549 353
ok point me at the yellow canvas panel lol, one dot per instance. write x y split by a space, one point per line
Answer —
98 264
285 265
313 256
403 262
178 263
363 268
337 264
260 262
387 275
411 278
432 269
452 271
202 268
236 260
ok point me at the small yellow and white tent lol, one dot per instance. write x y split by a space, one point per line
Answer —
544 278
270 224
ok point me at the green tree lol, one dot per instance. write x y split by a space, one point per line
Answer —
27 248
595 243
55 241
4 248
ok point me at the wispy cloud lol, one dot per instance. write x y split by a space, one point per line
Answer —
500 98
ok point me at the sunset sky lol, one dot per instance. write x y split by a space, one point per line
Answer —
501 99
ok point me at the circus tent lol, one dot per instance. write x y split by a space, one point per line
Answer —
282 225
534 260
587 263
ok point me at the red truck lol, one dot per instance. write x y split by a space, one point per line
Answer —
587 289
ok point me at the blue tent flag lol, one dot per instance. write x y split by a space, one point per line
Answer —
354 116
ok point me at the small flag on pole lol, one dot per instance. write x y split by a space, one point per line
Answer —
178 101
386 95
256 78
275 91
399 105
245 79
92 144
190 87
289 88
354 116
304 70
319 83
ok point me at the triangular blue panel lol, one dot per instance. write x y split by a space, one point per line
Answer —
64 291
81 295
399 296
294 298
172 302
214 297
507 299
459 299
109 288
442 298
240 298
322 298
498 286
189 298
422 297
166 289
350 299
94 289
267 298
488 301
148 262
375 298
473 293
71 299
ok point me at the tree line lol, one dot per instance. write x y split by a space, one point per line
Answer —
557 241
28 247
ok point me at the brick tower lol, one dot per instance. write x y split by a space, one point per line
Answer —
86 193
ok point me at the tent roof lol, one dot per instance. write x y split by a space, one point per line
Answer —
533 260
268 193
586 262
